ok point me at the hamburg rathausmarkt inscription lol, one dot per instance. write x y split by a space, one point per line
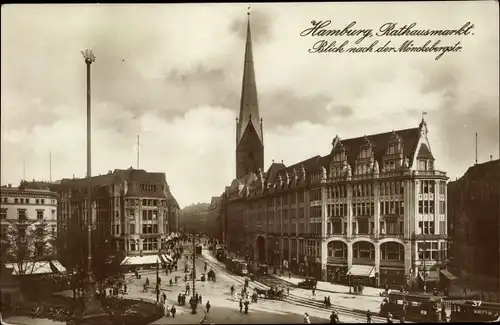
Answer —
389 37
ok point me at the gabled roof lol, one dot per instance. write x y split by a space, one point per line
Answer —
409 138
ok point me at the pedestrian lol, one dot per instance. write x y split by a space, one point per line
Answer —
389 318
465 291
314 291
171 283
232 290
173 310
329 302
368 317
207 307
334 317
200 299
164 296
176 279
246 306
124 288
241 305
287 289
167 310
306 319
179 299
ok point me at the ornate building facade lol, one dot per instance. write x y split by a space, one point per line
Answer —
133 209
373 208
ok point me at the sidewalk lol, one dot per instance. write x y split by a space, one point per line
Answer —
331 288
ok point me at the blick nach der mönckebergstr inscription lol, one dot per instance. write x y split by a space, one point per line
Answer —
362 44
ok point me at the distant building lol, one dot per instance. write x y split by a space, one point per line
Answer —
201 218
374 208
35 203
474 226
132 209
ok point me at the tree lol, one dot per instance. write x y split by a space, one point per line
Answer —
26 241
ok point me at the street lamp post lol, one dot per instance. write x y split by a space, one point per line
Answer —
194 302
93 312
422 252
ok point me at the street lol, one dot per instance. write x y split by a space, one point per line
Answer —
292 309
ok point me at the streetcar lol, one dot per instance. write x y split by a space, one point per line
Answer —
237 266
416 307
475 311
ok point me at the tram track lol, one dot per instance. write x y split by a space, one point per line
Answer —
265 283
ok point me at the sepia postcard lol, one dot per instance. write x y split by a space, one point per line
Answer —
246 163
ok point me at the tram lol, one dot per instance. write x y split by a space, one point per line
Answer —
415 307
475 311
237 266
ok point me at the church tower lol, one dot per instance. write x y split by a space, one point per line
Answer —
249 128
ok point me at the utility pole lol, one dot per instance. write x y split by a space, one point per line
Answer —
157 280
476 148
138 152
194 302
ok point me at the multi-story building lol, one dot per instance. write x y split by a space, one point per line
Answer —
474 226
132 209
373 208
37 206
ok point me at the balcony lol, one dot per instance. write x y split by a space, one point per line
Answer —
336 260
429 173
392 235
429 236
392 263
363 261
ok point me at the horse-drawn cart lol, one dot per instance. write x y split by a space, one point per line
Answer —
272 293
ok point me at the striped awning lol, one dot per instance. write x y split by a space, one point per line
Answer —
30 267
362 270
166 258
448 275
141 260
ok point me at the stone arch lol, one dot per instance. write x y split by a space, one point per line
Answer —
392 250
358 239
337 239
260 243
395 239
363 249
337 249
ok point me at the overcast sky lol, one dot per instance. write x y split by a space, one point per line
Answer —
172 73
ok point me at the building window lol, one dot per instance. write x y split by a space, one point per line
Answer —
133 246
3 214
39 214
149 244
21 214
131 229
42 201
16 200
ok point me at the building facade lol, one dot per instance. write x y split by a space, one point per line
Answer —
132 209
374 208
37 206
474 226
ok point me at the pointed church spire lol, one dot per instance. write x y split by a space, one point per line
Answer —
249 106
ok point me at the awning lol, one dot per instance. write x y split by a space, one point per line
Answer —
29 267
448 275
166 258
141 260
59 267
430 276
362 270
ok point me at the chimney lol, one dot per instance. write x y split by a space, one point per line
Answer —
10 185
491 157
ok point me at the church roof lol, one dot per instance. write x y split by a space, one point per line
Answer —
249 105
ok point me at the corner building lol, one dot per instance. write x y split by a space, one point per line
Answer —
372 211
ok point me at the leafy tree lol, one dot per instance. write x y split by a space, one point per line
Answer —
26 241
